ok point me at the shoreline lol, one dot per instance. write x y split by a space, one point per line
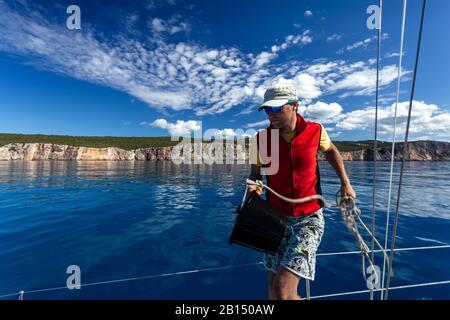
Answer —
239 153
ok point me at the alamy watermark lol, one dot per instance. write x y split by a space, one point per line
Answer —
214 147
373 21
73 22
74 279
373 281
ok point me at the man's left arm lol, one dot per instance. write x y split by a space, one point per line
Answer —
333 156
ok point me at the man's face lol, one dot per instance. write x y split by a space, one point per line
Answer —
283 118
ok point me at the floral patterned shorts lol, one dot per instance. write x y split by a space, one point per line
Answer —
297 251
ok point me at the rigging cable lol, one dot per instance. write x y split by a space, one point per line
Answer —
21 293
376 136
405 146
399 75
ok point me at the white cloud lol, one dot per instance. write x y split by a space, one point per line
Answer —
322 112
299 39
329 77
303 38
180 128
181 75
334 38
156 4
363 81
307 86
171 26
308 13
289 41
364 43
358 44
158 25
177 100
188 75
229 133
426 120
263 58
319 68
263 123
394 54
334 135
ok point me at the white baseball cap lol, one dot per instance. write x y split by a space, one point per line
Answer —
278 96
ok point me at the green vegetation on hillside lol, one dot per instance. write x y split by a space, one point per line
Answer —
346 146
130 143
127 143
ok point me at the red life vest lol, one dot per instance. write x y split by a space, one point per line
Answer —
298 175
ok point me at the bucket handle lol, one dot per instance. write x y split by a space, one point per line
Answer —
244 198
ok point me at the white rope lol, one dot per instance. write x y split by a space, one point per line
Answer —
349 210
375 240
22 292
417 285
399 75
300 200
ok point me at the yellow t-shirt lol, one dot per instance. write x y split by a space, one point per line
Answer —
325 142
324 146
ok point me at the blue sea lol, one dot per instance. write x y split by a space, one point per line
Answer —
119 220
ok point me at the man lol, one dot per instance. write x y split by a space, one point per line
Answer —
297 177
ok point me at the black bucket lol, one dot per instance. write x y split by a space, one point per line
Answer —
258 225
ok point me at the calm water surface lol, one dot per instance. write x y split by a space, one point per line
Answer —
129 219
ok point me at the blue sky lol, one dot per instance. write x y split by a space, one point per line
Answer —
155 68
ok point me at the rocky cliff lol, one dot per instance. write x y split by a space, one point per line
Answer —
46 151
418 151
